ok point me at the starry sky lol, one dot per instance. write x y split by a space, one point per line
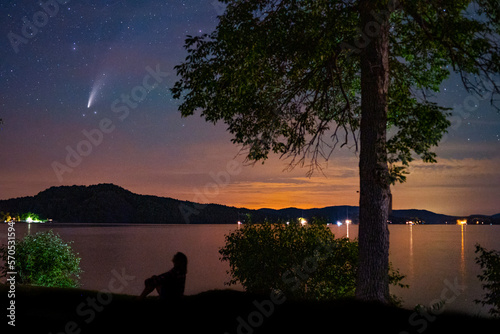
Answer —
84 96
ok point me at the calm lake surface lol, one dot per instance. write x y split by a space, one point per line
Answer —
433 257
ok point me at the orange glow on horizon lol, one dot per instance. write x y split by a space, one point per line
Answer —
199 178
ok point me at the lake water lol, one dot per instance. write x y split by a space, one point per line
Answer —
434 257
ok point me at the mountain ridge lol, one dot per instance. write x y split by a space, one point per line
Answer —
109 203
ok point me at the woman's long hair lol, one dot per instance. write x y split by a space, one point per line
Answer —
181 262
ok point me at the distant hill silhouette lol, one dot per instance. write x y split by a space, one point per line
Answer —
108 203
331 213
425 215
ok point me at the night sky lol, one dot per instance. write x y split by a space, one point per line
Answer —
85 99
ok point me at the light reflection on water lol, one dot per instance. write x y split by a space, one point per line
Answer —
427 254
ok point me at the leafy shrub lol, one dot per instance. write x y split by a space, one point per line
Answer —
490 264
305 262
43 259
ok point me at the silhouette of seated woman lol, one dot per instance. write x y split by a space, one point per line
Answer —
170 285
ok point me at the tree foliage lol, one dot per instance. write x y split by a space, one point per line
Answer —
489 260
305 262
302 77
43 259
285 75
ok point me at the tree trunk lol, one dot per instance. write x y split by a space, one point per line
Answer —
373 282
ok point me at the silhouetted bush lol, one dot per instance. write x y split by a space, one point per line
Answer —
305 262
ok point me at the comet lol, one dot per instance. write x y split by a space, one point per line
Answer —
91 98
98 84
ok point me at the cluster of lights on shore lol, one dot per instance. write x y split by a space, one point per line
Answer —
29 220
347 222
303 222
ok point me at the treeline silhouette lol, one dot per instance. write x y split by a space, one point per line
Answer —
109 203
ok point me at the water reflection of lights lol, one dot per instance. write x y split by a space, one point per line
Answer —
411 251
462 254
347 223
